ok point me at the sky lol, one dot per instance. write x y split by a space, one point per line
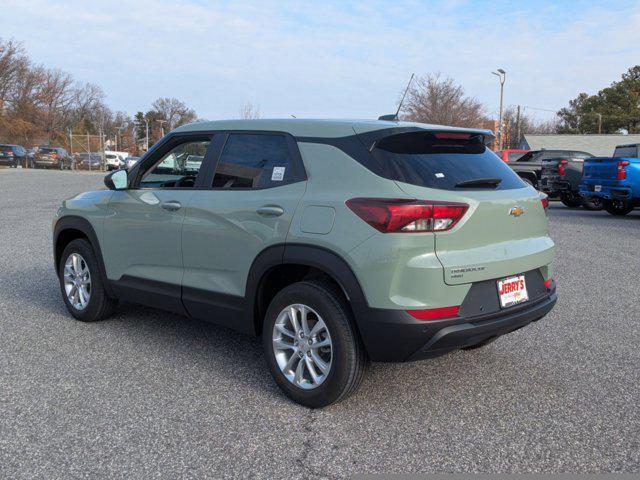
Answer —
329 59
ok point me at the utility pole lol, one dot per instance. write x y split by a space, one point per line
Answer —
518 127
502 75
89 149
599 123
161 122
146 143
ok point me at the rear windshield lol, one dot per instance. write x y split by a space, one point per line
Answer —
47 150
513 156
447 161
629 152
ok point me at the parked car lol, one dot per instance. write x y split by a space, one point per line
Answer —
561 178
510 154
529 166
12 155
52 157
115 160
339 242
130 162
615 180
89 161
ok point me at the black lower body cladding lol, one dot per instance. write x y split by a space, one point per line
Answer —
395 336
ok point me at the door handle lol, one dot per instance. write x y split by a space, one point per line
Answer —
171 206
270 211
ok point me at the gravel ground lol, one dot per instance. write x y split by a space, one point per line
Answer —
148 394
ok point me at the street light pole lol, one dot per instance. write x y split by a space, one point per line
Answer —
161 122
502 75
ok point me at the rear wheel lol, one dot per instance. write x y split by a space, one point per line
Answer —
311 346
618 207
592 203
570 199
81 283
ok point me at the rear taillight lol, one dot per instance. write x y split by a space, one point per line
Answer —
434 313
548 283
54 155
562 168
394 215
544 199
622 173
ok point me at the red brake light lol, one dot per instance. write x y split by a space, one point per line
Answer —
622 173
54 155
544 199
389 215
548 283
434 313
452 135
562 168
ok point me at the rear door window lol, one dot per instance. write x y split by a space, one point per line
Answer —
447 161
254 161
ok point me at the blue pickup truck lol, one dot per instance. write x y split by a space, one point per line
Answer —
616 180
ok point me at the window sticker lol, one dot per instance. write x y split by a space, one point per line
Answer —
278 174
439 175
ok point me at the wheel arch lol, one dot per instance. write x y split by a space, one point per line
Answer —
70 228
304 261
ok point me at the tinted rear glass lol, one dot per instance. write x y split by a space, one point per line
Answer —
443 161
629 152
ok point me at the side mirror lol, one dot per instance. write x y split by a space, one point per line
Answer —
117 180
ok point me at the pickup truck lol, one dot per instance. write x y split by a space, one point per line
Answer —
561 178
616 180
529 166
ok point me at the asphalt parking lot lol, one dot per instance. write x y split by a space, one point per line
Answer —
153 395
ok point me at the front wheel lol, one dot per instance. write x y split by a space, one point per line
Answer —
311 345
570 200
618 207
592 203
81 284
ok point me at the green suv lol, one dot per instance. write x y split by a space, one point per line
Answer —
340 242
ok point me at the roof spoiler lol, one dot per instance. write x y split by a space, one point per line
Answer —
485 137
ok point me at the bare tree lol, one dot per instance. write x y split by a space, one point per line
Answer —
433 99
173 111
514 126
248 111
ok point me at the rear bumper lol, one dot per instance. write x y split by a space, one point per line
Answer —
475 331
609 192
395 336
549 185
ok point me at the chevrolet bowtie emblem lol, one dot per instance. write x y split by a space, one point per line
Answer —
516 211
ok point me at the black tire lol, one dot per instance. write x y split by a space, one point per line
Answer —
570 200
348 358
618 207
593 204
100 305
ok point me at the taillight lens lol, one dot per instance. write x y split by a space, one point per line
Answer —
548 283
544 199
562 168
434 313
622 173
394 215
54 155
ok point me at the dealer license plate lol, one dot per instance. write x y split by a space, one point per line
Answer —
512 290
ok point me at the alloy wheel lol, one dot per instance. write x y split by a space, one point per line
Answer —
77 281
302 346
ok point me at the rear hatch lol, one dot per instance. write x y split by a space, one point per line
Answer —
504 231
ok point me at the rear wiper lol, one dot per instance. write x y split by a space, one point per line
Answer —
480 182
